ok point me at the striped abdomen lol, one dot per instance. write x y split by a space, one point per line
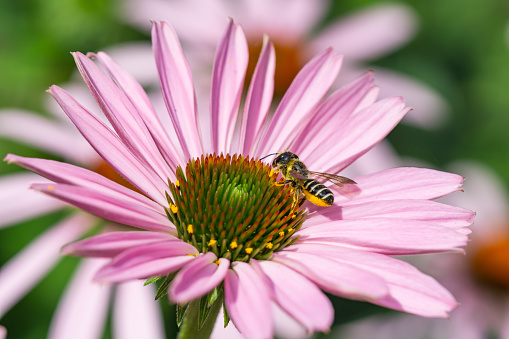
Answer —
317 193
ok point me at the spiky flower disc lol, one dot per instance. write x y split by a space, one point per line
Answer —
231 207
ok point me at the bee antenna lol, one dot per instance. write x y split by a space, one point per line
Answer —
267 156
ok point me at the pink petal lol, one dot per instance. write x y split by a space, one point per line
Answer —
198 278
297 106
111 149
228 73
113 243
124 118
412 209
386 235
247 302
409 289
369 33
30 265
3 332
400 183
177 87
259 98
299 297
331 114
108 207
60 172
82 310
342 279
135 314
359 134
146 261
141 103
19 203
44 134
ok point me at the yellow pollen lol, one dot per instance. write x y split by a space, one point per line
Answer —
281 234
233 245
174 209
269 245
51 188
290 230
294 215
196 255
271 172
190 229
249 250
177 184
218 262
212 242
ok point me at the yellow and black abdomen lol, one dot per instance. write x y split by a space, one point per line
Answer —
317 193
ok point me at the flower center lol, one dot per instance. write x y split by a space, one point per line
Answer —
288 64
490 264
230 206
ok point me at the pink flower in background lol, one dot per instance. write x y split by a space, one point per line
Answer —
294 28
479 280
82 311
240 230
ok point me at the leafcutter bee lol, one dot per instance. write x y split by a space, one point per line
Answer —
296 174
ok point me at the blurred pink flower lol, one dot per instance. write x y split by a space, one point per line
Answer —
294 27
479 280
343 249
84 304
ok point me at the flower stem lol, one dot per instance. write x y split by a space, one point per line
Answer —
190 325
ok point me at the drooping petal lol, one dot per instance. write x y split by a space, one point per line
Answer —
297 106
82 311
400 183
369 33
259 98
135 314
247 302
198 278
387 235
410 209
113 243
123 116
141 103
299 297
108 207
359 134
146 261
342 279
19 203
331 114
409 289
111 149
177 86
230 64
23 271
64 173
45 134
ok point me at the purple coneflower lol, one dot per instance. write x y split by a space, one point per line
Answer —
215 228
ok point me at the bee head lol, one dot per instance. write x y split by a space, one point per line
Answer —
284 158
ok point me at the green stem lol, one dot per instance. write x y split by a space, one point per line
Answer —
189 328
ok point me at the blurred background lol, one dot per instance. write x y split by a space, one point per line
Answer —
454 53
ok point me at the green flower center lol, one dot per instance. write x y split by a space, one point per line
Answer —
230 206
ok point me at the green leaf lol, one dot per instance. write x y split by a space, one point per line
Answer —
181 311
212 296
151 280
203 311
163 289
225 314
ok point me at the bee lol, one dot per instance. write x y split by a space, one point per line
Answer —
297 175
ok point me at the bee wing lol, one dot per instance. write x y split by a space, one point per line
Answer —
296 175
335 179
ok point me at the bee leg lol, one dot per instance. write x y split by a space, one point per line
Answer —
282 183
296 197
